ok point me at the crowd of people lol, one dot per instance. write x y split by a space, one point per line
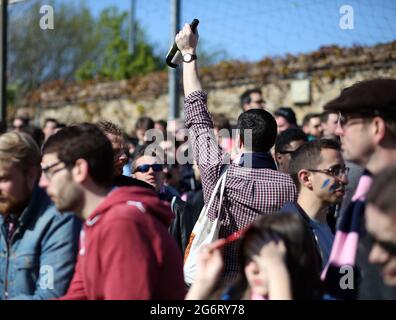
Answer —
304 212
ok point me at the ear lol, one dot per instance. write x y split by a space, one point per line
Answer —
378 129
80 171
304 177
279 157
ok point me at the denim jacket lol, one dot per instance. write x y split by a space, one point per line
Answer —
38 263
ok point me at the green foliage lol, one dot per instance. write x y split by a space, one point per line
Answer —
116 62
36 55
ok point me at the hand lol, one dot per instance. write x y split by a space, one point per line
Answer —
209 266
210 262
186 40
271 260
271 255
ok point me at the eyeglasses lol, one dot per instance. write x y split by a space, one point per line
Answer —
388 246
50 174
146 167
345 121
337 171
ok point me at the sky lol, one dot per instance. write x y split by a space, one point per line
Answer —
250 30
253 29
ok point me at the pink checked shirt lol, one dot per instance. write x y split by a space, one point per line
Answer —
249 192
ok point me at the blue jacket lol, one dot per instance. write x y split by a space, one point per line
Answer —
39 261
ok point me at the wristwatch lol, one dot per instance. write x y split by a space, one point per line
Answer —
188 57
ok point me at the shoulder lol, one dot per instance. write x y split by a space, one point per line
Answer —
262 175
123 181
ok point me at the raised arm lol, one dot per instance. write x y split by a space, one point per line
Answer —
207 152
187 43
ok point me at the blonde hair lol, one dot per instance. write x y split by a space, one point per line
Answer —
19 148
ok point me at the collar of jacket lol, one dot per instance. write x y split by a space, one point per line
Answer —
257 160
38 198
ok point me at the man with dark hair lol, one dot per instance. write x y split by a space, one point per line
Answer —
253 186
49 127
115 135
252 99
142 125
20 122
285 119
161 125
286 143
312 127
367 129
381 223
329 121
125 251
319 173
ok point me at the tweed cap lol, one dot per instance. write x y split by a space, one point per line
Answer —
370 97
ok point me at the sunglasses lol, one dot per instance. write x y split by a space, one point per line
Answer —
146 167
335 171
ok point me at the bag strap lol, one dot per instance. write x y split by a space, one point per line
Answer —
222 188
219 184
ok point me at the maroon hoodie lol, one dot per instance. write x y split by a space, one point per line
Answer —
126 251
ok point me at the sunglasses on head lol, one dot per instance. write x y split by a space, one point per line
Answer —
146 167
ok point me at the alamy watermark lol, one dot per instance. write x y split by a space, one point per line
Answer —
46 277
178 148
347 17
347 280
47 20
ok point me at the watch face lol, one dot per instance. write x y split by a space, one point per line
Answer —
187 57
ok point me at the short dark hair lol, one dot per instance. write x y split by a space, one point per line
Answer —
308 118
84 141
51 120
263 128
146 150
308 156
245 96
383 190
162 123
144 123
324 116
287 136
287 113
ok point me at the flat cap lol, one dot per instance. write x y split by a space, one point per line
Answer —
376 97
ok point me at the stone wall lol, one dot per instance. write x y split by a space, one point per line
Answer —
329 70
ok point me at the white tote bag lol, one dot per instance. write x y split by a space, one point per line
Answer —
204 232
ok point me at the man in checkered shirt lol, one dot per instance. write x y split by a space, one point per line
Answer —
253 184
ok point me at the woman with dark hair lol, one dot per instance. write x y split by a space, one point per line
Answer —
278 258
